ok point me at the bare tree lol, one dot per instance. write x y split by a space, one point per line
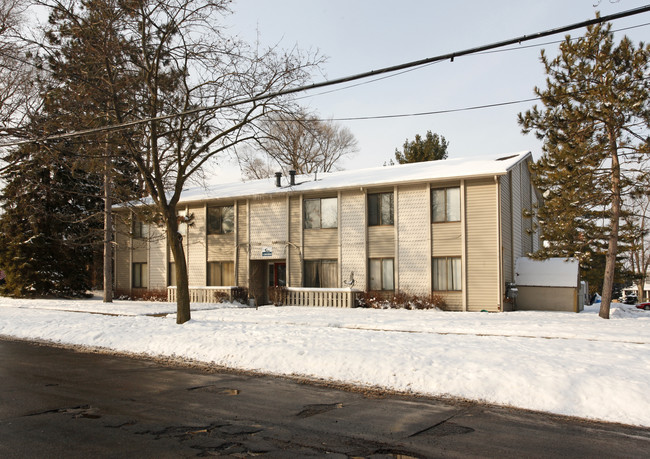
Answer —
301 142
17 74
181 60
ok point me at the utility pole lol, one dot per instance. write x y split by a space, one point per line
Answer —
108 230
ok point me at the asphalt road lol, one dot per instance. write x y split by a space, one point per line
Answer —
57 402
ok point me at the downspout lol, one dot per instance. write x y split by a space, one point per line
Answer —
463 236
288 246
396 270
236 248
499 248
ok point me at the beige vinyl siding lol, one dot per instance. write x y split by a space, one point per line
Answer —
157 258
242 248
527 234
268 220
506 229
482 253
353 237
517 213
321 243
453 300
413 220
221 247
294 275
446 239
122 253
196 248
381 241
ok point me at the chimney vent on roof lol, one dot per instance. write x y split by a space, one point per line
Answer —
292 177
278 176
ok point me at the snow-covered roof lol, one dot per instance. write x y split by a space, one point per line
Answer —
386 175
553 272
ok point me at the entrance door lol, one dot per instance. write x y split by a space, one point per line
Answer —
277 274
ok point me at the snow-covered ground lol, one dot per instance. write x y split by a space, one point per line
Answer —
564 363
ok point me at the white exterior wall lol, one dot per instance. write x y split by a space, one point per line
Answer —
413 264
197 248
353 237
157 258
268 220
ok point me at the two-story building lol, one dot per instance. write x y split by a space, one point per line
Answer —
454 227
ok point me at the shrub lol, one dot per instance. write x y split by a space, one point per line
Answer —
400 300
278 295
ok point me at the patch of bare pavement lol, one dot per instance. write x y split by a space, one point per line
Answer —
62 402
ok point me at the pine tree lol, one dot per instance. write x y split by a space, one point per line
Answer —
47 227
432 148
593 124
52 224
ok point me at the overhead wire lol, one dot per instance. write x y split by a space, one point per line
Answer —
386 70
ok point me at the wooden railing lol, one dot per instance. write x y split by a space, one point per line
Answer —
326 297
204 294
294 296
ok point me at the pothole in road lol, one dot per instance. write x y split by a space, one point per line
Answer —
215 390
313 410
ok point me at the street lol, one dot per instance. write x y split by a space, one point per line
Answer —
58 402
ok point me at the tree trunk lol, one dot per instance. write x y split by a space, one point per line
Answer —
615 215
108 230
182 284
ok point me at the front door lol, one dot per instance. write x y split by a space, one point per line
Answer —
277 274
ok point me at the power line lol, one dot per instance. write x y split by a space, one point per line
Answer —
386 70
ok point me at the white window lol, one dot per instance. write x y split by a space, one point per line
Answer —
446 274
221 220
382 274
445 204
321 273
380 209
221 273
321 213
140 275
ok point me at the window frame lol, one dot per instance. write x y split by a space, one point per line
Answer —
221 263
218 226
138 228
446 207
307 221
320 262
143 277
453 281
381 274
379 203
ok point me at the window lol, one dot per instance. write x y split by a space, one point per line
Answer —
321 213
139 229
221 273
171 274
446 274
140 275
380 209
445 204
321 273
221 220
382 274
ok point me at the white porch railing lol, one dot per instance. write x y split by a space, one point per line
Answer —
295 296
326 297
204 294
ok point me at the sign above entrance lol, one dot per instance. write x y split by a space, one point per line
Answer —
267 251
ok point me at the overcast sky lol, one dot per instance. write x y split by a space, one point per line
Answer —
363 35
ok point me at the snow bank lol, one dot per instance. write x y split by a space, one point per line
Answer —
564 363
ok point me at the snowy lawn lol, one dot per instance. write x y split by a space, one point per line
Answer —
564 363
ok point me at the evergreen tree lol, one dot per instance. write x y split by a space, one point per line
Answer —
47 227
594 127
52 224
432 148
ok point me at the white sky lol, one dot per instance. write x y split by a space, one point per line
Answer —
363 35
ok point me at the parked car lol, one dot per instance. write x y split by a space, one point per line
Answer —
645 306
630 299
